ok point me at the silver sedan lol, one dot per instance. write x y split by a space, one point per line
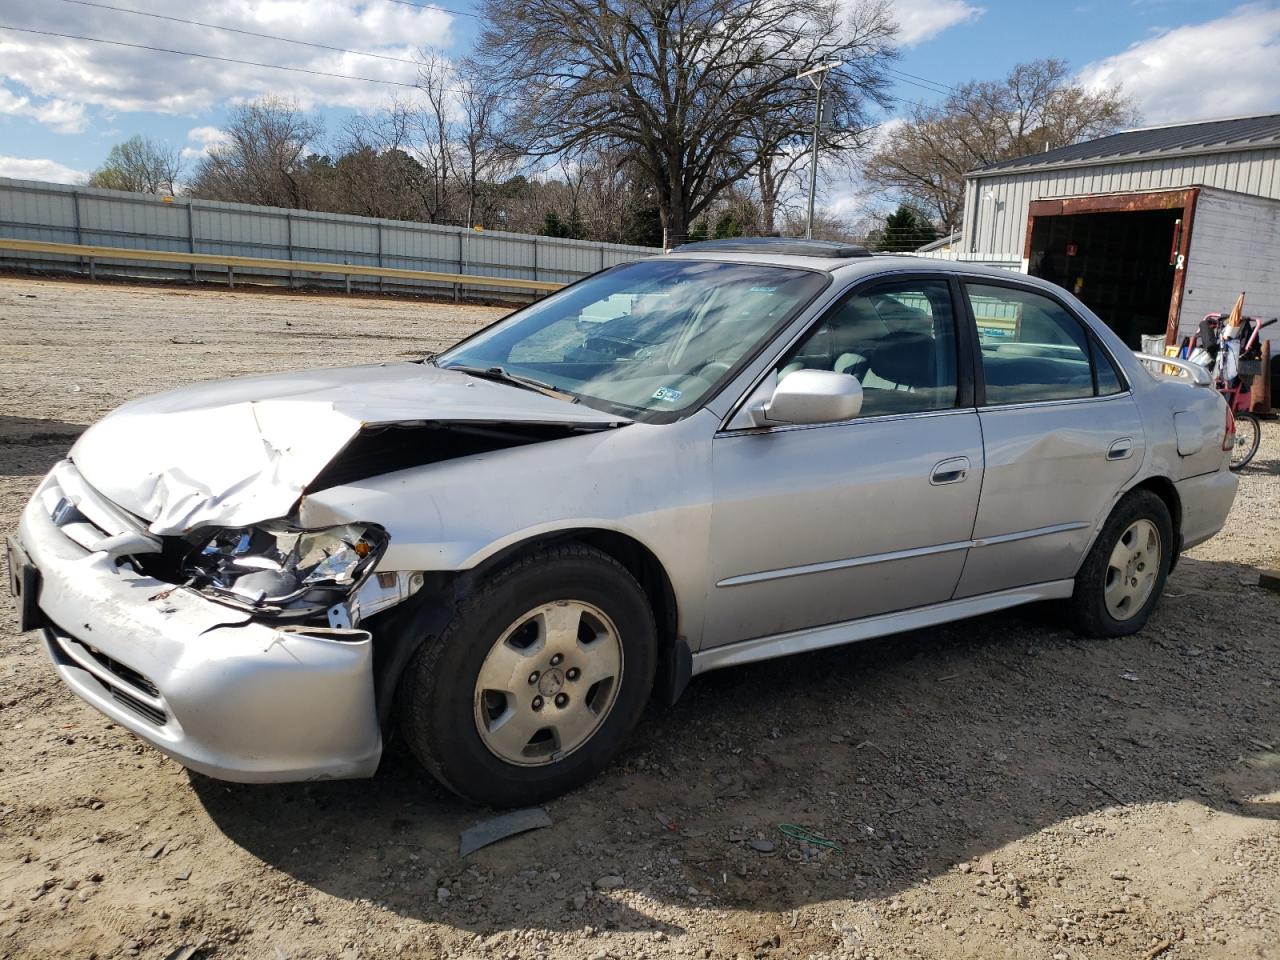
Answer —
742 450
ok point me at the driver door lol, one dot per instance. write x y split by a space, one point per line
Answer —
818 524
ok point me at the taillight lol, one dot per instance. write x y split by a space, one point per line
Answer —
1229 434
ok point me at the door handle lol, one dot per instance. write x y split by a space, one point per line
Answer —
1121 449
953 470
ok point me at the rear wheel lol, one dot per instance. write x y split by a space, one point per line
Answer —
537 680
1123 576
1248 437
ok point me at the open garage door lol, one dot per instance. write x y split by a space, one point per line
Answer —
1122 254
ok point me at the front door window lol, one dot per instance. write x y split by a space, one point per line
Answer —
898 339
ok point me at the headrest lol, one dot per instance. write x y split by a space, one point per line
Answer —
905 358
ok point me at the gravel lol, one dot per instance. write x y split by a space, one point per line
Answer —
997 788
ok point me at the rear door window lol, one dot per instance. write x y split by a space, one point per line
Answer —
1033 350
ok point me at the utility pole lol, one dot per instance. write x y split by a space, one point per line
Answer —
817 76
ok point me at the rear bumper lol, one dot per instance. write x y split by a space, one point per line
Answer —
220 693
1206 500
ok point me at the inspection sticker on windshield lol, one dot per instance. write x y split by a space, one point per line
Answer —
763 290
669 394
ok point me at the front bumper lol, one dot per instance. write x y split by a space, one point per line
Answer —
219 692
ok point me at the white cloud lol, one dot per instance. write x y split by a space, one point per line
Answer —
59 78
22 168
921 20
883 133
61 116
206 137
1223 67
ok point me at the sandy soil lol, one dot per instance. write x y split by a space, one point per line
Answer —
997 788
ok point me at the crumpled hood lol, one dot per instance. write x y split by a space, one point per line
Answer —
235 452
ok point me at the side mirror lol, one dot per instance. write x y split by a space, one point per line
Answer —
810 396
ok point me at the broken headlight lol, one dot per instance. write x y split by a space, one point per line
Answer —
275 567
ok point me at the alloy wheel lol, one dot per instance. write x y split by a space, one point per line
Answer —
548 683
1132 569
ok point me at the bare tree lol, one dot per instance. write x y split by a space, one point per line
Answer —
428 126
451 129
677 82
480 153
398 130
774 175
608 192
139 165
1035 108
262 159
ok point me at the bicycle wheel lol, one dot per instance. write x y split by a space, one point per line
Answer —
1248 436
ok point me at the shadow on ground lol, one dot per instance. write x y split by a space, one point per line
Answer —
30 446
914 753
1260 465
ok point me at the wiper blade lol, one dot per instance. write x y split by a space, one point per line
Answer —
502 375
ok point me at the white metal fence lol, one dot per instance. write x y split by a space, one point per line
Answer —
985 259
65 214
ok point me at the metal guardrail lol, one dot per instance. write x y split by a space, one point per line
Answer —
94 253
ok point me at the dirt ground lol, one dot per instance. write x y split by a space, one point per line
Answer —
996 788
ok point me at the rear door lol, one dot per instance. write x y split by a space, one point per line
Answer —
1061 436
824 523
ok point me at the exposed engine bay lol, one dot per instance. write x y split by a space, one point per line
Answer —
276 568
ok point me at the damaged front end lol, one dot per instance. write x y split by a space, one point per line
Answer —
277 570
183 589
261 693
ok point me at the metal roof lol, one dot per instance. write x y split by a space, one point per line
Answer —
782 246
948 240
1183 139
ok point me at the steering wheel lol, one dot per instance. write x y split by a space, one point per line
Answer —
712 370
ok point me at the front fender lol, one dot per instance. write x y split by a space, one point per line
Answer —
649 483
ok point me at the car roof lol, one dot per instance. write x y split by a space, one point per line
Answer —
851 268
800 247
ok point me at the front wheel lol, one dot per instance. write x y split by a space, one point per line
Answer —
535 683
1123 576
1248 437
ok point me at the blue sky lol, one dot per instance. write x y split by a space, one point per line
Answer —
63 103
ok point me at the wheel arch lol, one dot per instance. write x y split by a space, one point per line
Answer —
674 656
400 631
1164 488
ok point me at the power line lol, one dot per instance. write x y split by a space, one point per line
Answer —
245 33
913 76
432 6
915 80
206 56
277 66
918 85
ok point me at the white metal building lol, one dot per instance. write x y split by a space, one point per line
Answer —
1153 228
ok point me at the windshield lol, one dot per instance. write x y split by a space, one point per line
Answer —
651 338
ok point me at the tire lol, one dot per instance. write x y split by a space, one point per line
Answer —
469 697
1108 571
1248 437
